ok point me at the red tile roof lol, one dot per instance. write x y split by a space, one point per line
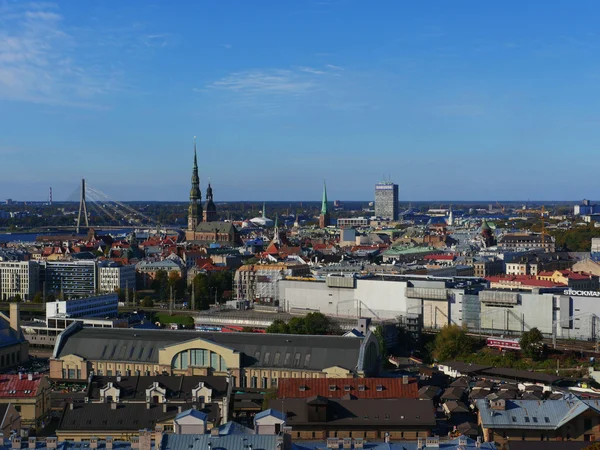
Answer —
309 387
522 280
11 386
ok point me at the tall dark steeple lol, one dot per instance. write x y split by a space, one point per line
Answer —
195 208
324 218
210 210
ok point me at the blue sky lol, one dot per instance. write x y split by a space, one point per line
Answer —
453 100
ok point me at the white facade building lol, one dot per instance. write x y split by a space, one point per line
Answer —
19 277
96 306
115 276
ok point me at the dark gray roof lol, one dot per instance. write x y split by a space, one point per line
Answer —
179 388
128 416
258 350
400 412
548 445
453 393
222 227
229 442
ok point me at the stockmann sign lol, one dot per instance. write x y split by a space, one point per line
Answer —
582 293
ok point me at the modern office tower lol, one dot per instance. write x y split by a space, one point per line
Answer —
386 200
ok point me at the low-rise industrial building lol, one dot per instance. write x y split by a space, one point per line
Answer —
251 359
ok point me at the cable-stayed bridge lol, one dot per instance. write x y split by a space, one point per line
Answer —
95 204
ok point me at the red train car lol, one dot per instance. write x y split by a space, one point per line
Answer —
503 343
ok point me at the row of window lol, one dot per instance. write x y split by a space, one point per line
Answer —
199 358
71 374
9 359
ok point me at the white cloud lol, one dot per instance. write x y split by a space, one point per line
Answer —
227 46
273 81
332 67
39 62
296 82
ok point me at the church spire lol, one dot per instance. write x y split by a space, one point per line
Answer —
195 208
264 210
324 218
324 209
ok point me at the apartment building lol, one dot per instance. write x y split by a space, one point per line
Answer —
113 276
19 278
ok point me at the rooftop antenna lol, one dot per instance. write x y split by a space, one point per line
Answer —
50 197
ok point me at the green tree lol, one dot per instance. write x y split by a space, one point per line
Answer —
17 299
267 399
201 291
532 344
317 323
38 297
452 341
177 284
297 325
147 302
50 297
161 284
313 323
278 327
381 340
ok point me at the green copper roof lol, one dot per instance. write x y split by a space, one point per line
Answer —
324 202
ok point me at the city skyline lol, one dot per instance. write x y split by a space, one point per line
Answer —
471 101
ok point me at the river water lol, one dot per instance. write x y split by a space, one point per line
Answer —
31 237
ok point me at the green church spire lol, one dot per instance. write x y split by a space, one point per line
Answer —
324 209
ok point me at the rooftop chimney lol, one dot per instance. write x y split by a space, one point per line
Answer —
158 437
15 317
32 442
93 442
30 376
113 405
16 442
145 440
51 442
109 442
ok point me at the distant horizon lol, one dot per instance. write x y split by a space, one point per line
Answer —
401 202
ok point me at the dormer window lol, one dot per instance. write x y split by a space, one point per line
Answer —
347 388
332 387
362 387
302 388
379 388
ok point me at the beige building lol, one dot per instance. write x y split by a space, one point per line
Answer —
587 266
572 279
10 420
19 278
30 396
250 359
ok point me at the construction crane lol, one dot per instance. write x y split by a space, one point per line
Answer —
500 206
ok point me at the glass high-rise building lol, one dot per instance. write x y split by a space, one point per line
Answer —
386 200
